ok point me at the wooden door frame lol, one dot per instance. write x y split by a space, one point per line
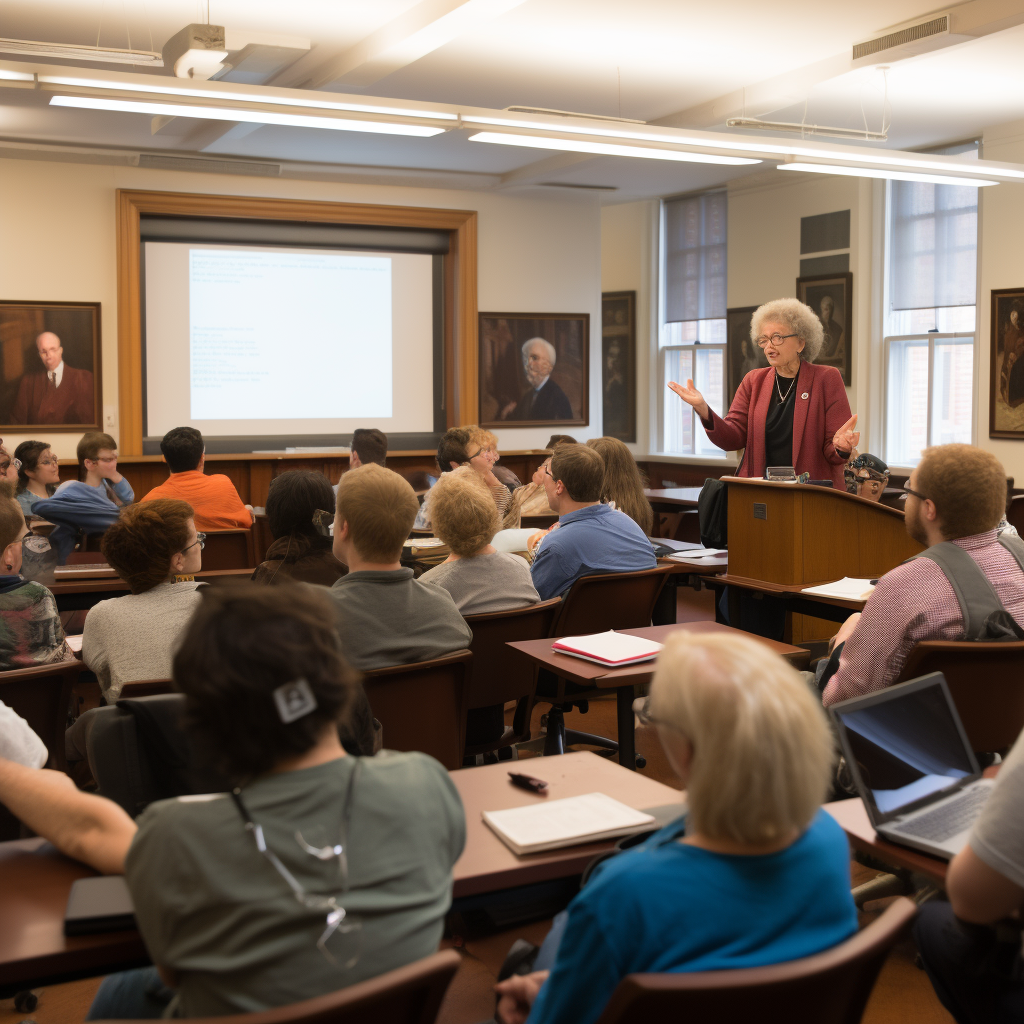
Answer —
460 288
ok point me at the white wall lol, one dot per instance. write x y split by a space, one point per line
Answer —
1001 265
57 243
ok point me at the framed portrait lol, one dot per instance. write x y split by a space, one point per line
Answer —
618 364
1006 399
742 355
50 366
534 369
831 297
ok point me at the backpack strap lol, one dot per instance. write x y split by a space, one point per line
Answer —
976 595
1014 545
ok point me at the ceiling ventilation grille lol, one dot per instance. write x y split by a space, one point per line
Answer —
586 188
903 37
157 161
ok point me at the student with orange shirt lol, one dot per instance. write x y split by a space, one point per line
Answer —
214 498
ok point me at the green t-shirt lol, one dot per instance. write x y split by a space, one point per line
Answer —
211 907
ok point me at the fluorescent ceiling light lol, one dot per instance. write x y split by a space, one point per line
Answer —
878 172
101 54
217 93
922 165
251 116
606 148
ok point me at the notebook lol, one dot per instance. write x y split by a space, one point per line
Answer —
611 648
912 765
101 904
849 588
553 824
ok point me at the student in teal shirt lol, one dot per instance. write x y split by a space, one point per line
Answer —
754 874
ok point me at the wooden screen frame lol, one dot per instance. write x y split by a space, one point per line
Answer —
460 282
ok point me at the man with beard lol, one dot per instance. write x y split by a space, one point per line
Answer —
956 494
545 400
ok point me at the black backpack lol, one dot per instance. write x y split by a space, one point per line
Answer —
713 514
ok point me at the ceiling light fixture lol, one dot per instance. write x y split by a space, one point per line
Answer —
99 54
879 172
294 120
606 148
859 134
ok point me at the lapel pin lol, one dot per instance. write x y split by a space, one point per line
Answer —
805 395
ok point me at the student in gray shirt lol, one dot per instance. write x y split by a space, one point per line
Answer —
970 948
479 578
384 616
232 929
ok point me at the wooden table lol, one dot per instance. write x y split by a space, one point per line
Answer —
836 609
623 680
36 879
33 948
487 865
673 498
84 593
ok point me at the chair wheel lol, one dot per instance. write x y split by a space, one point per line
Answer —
25 1002
641 762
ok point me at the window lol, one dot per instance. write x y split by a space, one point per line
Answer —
692 336
930 315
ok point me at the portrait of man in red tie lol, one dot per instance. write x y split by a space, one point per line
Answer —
49 361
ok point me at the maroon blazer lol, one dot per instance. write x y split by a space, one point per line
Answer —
821 409
38 403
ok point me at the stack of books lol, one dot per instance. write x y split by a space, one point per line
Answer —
612 649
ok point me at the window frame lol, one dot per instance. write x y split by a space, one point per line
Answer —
692 347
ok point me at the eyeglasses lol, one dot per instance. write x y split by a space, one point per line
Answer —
917 494
646 718
338 919
5 464
48 462
775 339
324 522
200 540
547 469
479 451
108 458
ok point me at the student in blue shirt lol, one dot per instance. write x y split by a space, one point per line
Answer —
755 873
589 537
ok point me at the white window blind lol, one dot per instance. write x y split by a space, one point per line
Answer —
695 237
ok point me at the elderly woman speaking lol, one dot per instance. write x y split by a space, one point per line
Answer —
791 412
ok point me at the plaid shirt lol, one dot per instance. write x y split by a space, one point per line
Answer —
915 602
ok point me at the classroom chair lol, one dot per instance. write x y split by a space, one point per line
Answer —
230 549
43 697
495 678
423 706
986 682
828 988
408 995
594 604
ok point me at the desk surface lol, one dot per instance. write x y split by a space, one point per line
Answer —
33 948
714 566
488 865
683 497
115 585
589 673
787 591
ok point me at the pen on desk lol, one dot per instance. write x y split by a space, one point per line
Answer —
527 782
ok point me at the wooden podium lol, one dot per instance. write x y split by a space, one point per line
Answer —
794 534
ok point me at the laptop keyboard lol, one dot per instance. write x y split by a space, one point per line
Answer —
948 820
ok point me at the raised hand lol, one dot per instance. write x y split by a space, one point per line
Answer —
846 438
691 396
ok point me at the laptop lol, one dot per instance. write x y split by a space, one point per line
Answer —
912 764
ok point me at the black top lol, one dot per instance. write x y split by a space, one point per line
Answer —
778 425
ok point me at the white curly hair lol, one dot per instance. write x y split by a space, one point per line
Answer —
798 318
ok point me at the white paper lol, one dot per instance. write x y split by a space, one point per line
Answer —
610 647
557 821
424 542
74 642
849 588
695 554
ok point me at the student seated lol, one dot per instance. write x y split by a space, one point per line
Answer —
457 448
300 551
89 505
156 550
30 629
531 499
232 929
384 616
38 474
479 578
589 537
368 445
623 483
977 972
955 498
213 497
755 872
489 442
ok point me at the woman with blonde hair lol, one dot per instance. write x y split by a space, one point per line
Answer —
623 482
754 873
792 412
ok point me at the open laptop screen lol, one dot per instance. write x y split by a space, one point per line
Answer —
905 744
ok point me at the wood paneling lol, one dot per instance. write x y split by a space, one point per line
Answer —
460 282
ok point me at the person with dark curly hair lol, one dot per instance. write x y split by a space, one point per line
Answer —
156 550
